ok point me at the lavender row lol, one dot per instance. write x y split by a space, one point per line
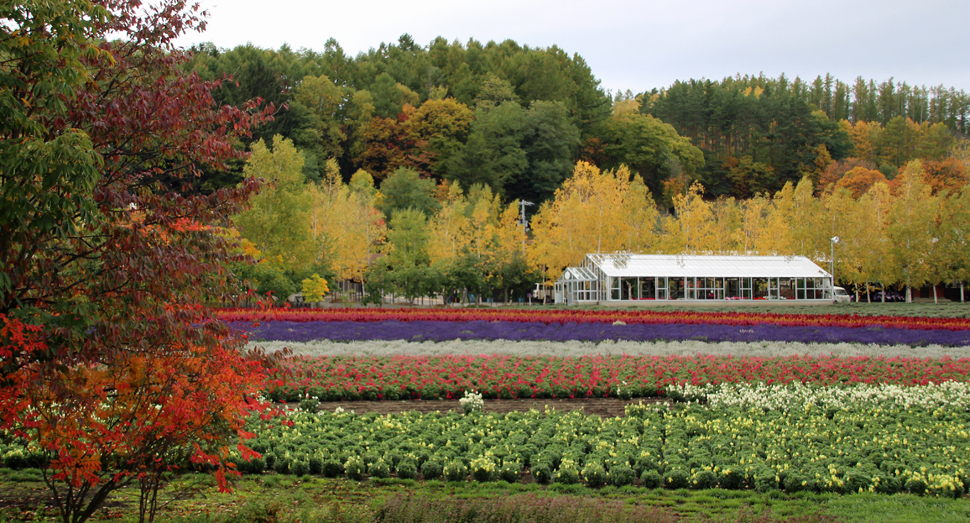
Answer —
576 349
498 330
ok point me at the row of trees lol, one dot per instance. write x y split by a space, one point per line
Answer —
759 133
861 101
896 233
443 240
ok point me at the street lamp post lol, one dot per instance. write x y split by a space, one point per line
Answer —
835 239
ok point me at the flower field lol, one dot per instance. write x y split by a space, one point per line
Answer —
506 377
758 403
594 326
877 439
564 316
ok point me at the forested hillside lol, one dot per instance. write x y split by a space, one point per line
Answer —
517 118
424 153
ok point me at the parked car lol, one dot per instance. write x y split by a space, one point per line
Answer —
840 296
891 297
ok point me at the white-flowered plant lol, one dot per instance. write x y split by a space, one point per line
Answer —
949 395
472 402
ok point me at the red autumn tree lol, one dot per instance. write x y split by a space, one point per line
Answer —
110 365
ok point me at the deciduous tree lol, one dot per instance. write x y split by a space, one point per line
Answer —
110 365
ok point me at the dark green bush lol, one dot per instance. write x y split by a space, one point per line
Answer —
332 468
916 486
677 479
703 479
406 469
542 473
431 469
651 479
379 469
621 475
595 475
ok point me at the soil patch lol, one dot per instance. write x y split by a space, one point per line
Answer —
605 407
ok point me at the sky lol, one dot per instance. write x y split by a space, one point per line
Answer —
640 45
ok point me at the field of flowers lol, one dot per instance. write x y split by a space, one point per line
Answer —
305 325
508 377
867 438
750 412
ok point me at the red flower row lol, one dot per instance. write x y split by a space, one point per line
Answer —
588 316
432 377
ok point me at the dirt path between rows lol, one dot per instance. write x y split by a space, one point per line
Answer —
606 407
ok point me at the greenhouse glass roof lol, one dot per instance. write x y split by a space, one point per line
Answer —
673 266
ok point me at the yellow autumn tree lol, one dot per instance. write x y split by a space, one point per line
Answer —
912 229
449 227
727 220
691 229
775 238
752 213
362 227
277 221
592 212
314 288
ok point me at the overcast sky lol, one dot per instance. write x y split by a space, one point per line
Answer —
639 45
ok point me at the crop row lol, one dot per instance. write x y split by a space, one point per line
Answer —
597 332
547 316
772 349
449 376
874 446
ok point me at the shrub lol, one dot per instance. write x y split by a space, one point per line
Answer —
621 475
331 468
370 458
253 466
542 473
730 479
795 482
595 475
379 469
510 471
300 467
916 486
354 467
703 479
406 469
650 479
483 469
316 464
567 475
678 479
765 480
431 469
455 470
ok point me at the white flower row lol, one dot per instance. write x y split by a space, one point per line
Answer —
948 395
634 348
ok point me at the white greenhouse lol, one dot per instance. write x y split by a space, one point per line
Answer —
635 277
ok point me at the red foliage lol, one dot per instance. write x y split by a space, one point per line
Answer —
110 363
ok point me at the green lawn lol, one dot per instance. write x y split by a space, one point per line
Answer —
275 498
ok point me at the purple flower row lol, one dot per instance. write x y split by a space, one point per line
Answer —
593 332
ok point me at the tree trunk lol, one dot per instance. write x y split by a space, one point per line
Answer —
934 295
909 294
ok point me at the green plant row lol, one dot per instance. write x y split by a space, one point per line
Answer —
822 449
